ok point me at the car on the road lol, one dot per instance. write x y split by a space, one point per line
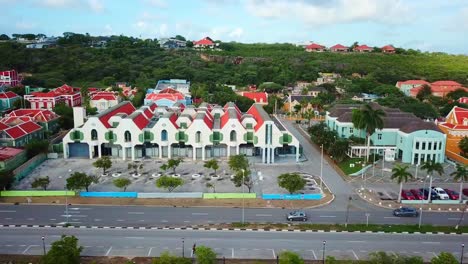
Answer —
406 211
434 195
453 195
441 194
418 194
407 195
297 216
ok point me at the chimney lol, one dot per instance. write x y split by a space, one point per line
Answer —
79 114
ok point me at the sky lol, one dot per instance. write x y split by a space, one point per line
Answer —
427 25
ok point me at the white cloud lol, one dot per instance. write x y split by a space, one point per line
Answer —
96 5
163 30
321 12
236 33
24 25
108 30
156 3
141 24
93 5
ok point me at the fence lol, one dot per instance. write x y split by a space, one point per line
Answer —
28 166
274 196
229 195
36 193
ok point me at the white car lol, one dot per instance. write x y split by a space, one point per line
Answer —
441 194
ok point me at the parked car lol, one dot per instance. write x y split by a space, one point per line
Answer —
297 216
453 195
405 211
407 195
418 194
434 195
465 191
441 194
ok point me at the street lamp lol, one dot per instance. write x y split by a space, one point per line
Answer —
183 248
321 169
323 252
43 244
420 206
243 213
416 173
347 210
462 249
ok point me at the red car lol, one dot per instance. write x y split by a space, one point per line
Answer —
418 195
465 191
453 195
407 195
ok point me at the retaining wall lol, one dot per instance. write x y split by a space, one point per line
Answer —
36 193
272 196
229 195
109 194
171 195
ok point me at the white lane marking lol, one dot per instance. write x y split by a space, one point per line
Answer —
354 253
108 251
356 241
391 217
8 245
120 220
74 215
232 254
433 253
30 246
7 211
454 219
141 220
437 243
135 237
164 221
97 220
315 256
30 219
327 216
149 252
263 215
22 245
136 213
186 221
52 219
8 218
78 208
199 213
274 255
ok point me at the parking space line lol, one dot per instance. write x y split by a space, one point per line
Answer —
108 251
26 250
313 253
232 254
149 252
199 213
263 215
354 253
274 254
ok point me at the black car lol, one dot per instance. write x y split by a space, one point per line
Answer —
434 195
297 216
406 211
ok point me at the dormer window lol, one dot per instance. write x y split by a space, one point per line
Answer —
465 121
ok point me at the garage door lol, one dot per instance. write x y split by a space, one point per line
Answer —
78 150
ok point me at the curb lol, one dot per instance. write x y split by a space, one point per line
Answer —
194 228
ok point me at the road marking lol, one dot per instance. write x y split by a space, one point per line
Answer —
263 215
108 251
120 220
141 220
199 213
274 255
456 219
30 246
52 219
136 213
164 221
8 245
30 219
97 220
391 217
433 253
7 211
315 256
8 218
437 243
135 237
354 253
74 215
186 221
149 252
22 245
327 216
356 241
232 254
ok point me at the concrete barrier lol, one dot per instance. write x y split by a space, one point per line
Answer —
171 195
414 202
446 202
109 194
310 196
36 193
229 195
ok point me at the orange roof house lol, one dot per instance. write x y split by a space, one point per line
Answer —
455 127
315 47
388 49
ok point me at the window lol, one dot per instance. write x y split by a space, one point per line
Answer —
423 146
379 136
147 136
233 136
429 146
440 145
198 137
342 130
351 130
401 140
183 125
164 135
249 126
94 135
127 136
417 145
77 135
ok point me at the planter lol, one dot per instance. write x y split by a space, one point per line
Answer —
116 175
232 176
215 177
136 175
175 175
104 175
156 175
196 176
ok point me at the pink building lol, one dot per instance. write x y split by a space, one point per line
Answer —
9 78
64 94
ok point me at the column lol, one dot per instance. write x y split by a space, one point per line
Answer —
124 153
228 151
203 153
297 153
65 150
272 155
99 151
194 154
133 152
160 151
263 155
90 151
169 151
237 149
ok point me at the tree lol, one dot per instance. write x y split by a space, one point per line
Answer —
104 163
444 258
205 255
35 147
64 251
6 180
4 37
424 93
308 115
211 186
66 115
169 183
167 258
461 174
238 162
292 182
339 149
401 174
431 166
122 183
368 119
288 257
135 166
212 164
384 258
463 145
243 178
189 44
173 164
179 37
80 180
42 182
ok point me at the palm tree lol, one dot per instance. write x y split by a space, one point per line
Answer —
309 114
401 174
368 119
461 174
431 166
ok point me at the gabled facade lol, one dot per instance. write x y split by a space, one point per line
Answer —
45 118
206 42
7 99
187 132
19 132
64 94
104 100
388 49
315 48
363 48
338 48
455 127
406 86
9 78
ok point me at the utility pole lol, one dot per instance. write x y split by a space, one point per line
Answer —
43 244
347 210
323 252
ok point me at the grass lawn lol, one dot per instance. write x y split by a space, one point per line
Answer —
347 169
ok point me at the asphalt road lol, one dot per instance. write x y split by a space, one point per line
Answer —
230 244
169 216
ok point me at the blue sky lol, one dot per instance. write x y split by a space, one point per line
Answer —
428 25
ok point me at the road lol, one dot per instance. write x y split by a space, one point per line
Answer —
169 216
245 244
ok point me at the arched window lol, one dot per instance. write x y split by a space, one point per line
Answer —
128 136
198 137
164 135
94 134
233 136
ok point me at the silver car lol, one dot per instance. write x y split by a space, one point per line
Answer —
297 216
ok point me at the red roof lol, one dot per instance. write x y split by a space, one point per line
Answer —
388 48
169 96
141 121
7 95
208 119
126 108
110 96
338 47
412 82
169 90
148 113
3 126
22 129
460 114
258 97
445 83
363 47
204 42
173 119
314 46
30 127
38 115
62 90
256 115
8 153
153 106
224 119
